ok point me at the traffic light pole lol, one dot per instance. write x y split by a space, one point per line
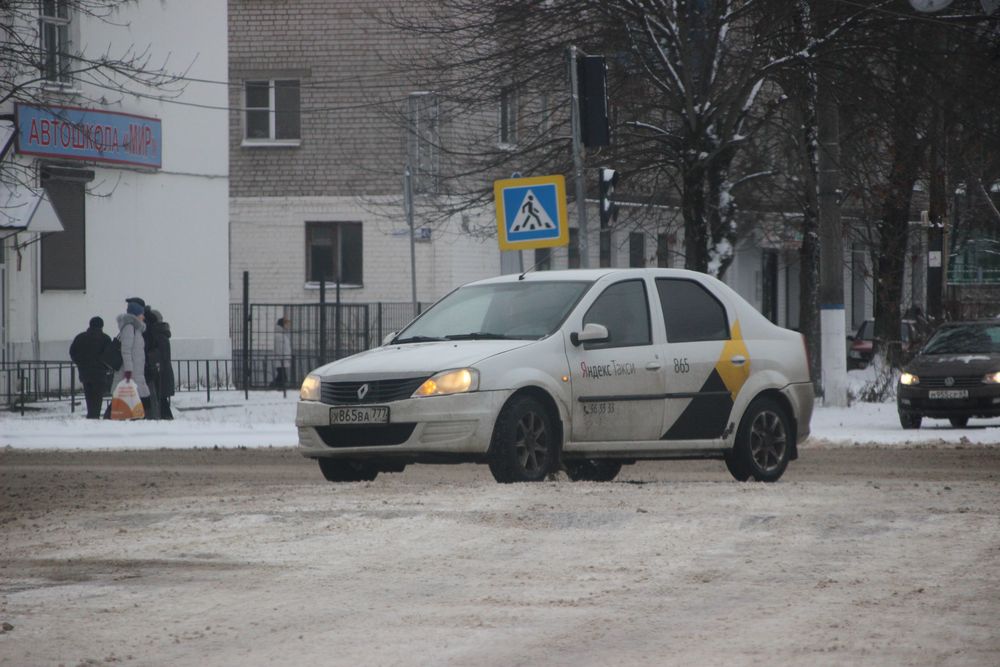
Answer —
580 186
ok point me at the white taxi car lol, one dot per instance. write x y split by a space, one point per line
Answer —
584 369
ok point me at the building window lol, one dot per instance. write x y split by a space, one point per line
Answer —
543 259
333 247
663 250
574 249
637 249
54 28
273 111
63 254
508 116
423 146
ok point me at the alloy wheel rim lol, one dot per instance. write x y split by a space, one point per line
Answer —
768 440
531 442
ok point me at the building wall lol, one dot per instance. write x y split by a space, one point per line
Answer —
160 234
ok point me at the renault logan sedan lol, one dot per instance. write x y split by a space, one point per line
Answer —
584 369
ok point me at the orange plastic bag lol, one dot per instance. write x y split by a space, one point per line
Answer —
125 402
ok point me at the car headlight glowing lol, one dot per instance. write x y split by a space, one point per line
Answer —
450 382
310 390
908 379
992 378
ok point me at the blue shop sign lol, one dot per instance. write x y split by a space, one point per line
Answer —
87 134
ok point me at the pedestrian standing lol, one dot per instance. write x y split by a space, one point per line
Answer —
152 365
159 332
131 324
85 351
282 351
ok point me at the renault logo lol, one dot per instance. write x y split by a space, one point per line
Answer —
949 381
362 392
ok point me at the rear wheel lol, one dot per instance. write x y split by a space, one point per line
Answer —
909 420
593 470
959 422
763 443
337 470
525 445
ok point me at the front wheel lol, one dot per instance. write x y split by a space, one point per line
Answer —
909 420
593 470
763 443
525 445
337 470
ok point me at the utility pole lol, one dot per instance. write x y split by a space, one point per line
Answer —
580 186
408 205
833 334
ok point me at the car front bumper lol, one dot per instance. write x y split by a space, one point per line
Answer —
982 401
457 427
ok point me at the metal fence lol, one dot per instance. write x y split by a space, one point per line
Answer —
23 382
319 333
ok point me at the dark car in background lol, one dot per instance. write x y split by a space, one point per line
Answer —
862 345
955 376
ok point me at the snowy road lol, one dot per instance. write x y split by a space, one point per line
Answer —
859 555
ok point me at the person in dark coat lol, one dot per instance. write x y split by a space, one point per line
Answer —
85 351
160 371
152 366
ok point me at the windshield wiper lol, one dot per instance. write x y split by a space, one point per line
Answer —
479 335
416 339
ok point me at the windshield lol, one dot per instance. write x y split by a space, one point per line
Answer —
523 310
965 339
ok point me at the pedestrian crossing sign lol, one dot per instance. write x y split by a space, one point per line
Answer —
531 212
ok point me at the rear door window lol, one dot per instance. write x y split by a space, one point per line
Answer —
691 312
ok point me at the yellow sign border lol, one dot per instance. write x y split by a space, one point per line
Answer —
562 223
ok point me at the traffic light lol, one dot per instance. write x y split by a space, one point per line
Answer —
592 77
609 209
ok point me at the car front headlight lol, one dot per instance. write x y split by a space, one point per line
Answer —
449 382
310 388
908 379
992 378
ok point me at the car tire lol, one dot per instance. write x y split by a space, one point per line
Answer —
593 470
338 470
909 420
525 445
763 444
959 422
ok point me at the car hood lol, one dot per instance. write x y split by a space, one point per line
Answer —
417 358
954 364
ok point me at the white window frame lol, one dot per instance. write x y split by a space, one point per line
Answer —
271 139
62 24
423 145
507 118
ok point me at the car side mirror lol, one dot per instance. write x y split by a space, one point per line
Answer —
388 338
591 332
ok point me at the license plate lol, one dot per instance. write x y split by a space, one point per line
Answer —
376 415
948 393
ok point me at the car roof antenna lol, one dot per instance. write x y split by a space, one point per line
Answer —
532 267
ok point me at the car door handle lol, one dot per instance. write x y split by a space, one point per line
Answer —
738 360
654 366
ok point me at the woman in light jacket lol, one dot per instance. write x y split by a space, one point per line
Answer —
131 324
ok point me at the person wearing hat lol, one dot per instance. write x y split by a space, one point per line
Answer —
131 324
85 351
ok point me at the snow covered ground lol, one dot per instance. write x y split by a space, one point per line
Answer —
268 420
